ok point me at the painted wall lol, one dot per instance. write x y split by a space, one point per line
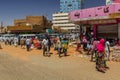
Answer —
95 12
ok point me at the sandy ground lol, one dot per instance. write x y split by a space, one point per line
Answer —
18 64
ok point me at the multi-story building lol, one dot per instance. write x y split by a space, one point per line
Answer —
20 22
62 20
31 20
69 5
30 24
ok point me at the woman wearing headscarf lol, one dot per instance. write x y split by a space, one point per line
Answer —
101 62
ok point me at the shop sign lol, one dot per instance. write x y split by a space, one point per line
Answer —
103 21
114 15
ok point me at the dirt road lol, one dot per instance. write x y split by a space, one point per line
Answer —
18 64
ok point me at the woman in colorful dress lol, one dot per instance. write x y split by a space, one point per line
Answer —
101 62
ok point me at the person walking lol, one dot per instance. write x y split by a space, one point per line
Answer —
107 49
44 44
22 42
15 41
59 46
46 47
65 45
79 46
55 42
89 48
94 48
101 62
28 44
84 41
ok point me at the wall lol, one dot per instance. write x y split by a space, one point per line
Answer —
30 24
35 20
20 22
100 11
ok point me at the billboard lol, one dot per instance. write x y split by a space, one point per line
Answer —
96 12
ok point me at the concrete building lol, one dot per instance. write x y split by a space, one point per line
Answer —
31 20
103 21
3 30
62 21
69 5
31 24
20 22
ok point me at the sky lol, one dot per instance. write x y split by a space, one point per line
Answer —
19 9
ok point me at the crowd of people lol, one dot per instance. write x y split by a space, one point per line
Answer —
99 49
60 44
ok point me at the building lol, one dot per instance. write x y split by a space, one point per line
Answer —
102 21
20 22
112 2
69 5
61 20
3 30
31 24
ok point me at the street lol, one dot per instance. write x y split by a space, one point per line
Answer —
18 64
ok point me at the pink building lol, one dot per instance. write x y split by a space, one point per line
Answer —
104 21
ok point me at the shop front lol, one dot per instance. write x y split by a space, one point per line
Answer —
103 21
105 28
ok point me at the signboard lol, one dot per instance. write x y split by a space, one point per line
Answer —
114 15
94 12
103 21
